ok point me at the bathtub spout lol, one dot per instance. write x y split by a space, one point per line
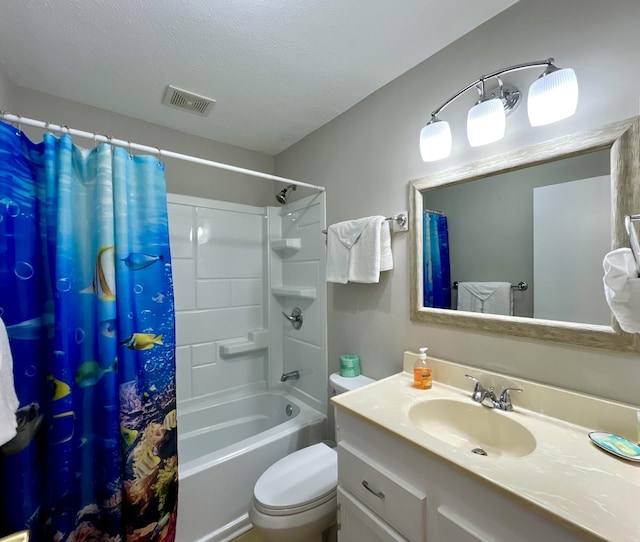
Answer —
291 375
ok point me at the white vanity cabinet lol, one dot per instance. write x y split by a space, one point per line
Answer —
412 495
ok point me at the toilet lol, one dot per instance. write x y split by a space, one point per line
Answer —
295 498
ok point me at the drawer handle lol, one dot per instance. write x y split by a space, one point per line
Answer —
378 494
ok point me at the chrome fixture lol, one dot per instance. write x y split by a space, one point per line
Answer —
378 494
295 318
291 375
481 394
552 97
282 195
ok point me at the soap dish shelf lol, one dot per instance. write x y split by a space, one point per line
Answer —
305 292
255 340
282 245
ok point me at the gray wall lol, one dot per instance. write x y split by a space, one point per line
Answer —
366 157
6 92
182 177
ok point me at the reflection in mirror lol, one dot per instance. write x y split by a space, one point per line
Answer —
545 216
548 226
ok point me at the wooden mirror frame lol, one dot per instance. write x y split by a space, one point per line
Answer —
623 140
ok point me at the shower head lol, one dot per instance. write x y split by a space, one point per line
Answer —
282 195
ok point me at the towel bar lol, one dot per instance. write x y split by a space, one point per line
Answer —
522 286
401 220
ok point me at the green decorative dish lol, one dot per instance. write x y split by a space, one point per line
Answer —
618 446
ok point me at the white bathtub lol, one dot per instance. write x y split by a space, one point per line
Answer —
224 448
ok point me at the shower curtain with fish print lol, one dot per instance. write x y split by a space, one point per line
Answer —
86 295
436 269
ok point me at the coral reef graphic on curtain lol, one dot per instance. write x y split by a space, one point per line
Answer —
86 295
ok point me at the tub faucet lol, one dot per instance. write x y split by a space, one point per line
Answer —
291 375
480 395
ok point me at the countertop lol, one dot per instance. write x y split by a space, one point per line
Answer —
566 478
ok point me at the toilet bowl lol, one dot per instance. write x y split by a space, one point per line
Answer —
295 498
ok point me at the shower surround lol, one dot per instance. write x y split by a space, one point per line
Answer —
236 269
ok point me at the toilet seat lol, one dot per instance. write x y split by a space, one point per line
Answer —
298 482
288 511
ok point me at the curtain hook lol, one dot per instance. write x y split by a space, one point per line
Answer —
18 123
129 150
159 156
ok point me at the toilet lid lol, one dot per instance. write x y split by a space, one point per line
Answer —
299 478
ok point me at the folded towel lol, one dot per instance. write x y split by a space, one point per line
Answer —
486 297
340 238
372 252
622 288
8 399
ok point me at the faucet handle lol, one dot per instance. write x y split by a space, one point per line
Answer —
505 398
478 386
478 389
473 378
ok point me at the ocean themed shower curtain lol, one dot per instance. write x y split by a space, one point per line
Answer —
86 295
436 275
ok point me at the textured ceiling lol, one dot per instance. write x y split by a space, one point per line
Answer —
278 69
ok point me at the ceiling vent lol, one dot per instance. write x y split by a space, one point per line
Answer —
187 101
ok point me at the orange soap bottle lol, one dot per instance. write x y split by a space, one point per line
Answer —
422 378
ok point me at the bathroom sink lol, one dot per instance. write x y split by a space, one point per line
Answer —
471 426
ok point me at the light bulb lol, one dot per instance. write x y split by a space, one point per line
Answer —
553 96
435 140
486 122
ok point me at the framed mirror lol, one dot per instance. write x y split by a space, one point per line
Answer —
506 226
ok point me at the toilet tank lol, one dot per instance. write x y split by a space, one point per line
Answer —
339 384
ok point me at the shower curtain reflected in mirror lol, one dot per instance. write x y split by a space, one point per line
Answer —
87 298
436 273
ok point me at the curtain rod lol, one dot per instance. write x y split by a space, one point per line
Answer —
151 150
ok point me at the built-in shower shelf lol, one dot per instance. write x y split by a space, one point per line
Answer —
286 244
255 340
306 292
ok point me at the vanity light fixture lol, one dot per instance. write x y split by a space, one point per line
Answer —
552 97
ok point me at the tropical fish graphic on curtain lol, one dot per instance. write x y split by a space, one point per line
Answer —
436 273
87 298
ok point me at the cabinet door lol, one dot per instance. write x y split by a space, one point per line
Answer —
359 524
452 528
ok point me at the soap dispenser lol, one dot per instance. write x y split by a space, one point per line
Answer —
422 378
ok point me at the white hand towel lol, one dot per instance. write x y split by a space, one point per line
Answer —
386 256
372 252
8 399
622 288
340 239
486 297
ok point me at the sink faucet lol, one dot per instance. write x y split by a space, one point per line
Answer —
481 394
291 375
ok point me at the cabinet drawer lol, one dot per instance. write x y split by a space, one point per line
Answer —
393 499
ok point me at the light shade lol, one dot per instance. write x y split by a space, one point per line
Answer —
553 97
435 140
486 122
